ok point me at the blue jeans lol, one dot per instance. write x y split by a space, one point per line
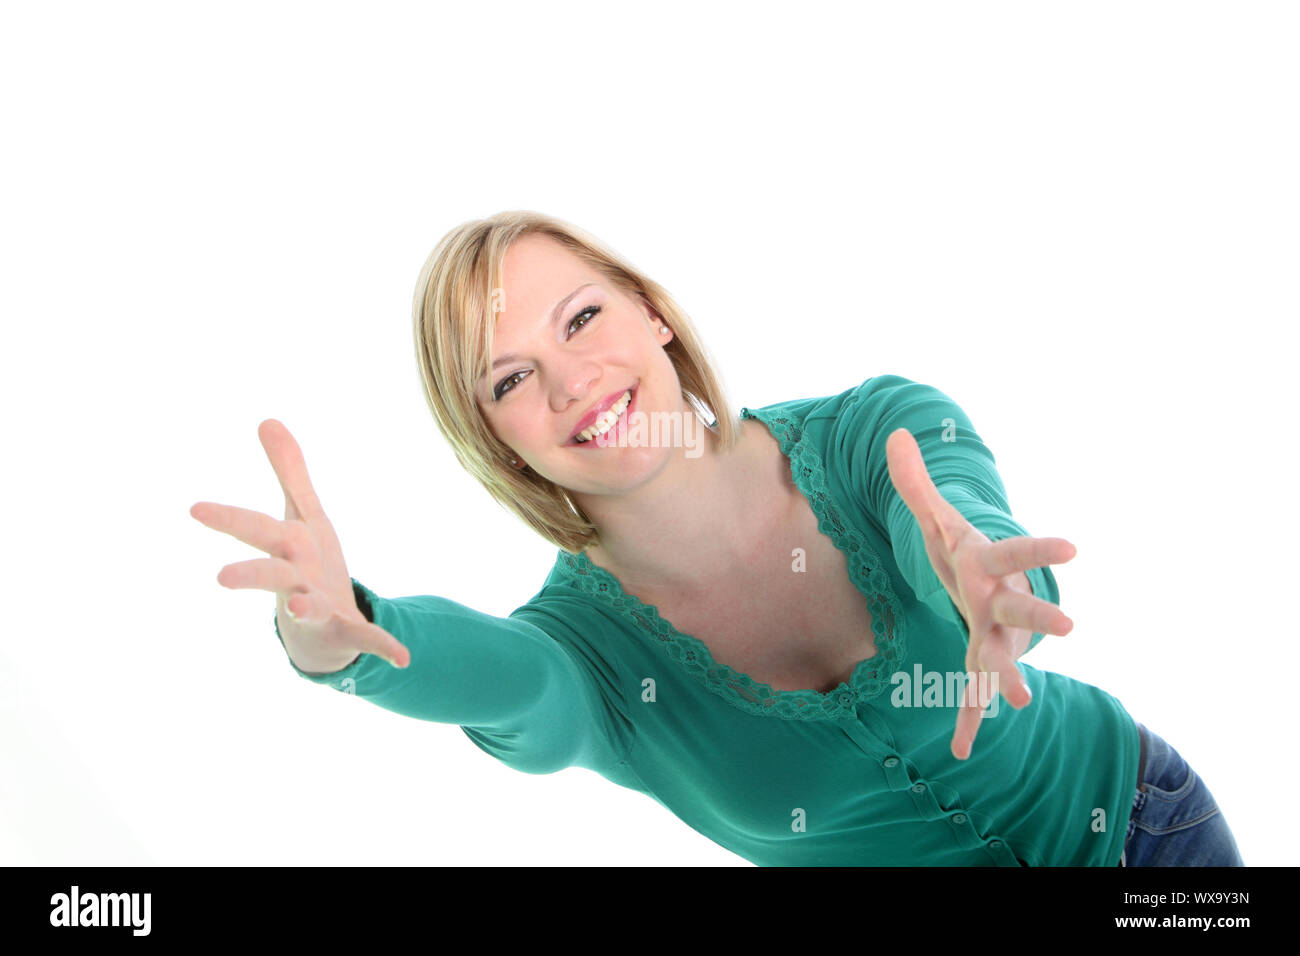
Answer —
1175 821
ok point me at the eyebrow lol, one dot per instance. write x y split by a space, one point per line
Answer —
555 314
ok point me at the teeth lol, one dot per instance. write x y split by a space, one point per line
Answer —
605 421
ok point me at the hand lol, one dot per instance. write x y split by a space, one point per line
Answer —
316 611
978 575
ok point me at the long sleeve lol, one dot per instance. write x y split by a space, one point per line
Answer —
518 693
960 464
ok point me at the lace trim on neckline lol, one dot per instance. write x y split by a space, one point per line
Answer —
870 677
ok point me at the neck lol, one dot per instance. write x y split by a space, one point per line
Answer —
692 523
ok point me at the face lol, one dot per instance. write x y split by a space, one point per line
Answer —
566 341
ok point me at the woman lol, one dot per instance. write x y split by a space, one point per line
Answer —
777 626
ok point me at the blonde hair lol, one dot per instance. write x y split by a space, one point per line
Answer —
456 299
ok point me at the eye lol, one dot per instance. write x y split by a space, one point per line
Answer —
509 382
505 385
593 310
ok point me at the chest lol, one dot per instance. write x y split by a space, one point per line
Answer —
789 616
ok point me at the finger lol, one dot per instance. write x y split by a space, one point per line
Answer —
251 527
968 725
991 652
1013 686
266 574
308 607
361 635
997 658
937 517
911 479
979 690
394 651
290 468
1023 553
373 639
968 718
1015 608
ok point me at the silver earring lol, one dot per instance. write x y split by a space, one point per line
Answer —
663 330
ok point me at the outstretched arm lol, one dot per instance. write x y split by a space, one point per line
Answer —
518 694
982 579
925 477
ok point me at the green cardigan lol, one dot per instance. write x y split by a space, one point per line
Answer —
586 675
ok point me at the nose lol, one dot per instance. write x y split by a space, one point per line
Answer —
575 383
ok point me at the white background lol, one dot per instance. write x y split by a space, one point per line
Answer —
1078 220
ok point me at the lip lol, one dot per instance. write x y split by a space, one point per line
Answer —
599 409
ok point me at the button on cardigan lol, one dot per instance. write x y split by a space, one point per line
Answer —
585 675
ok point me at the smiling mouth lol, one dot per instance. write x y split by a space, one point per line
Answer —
607 421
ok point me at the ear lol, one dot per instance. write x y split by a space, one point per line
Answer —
651 314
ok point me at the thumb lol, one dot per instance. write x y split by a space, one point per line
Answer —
908 473
360 636
373 639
